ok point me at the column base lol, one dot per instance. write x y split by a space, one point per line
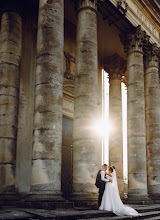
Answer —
35 200
85 200
9 199
138 199
155 198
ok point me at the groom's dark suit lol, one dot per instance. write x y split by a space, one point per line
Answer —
102 182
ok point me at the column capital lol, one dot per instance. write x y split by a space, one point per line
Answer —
152 53
134 40
82 4
116 66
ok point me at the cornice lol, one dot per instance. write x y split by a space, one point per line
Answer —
147 7
142 12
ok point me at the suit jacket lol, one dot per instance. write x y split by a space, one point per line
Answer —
101 184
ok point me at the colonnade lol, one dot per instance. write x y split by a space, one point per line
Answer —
143 104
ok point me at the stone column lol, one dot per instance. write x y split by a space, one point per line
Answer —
26 104
99 112
47 147
152 97
85 141
10 55
136 131
116 67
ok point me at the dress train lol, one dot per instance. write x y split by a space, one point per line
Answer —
112 202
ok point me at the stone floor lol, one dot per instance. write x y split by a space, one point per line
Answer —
8 213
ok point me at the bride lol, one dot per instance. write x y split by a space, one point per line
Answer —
111 200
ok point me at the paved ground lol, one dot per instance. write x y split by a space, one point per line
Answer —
8 213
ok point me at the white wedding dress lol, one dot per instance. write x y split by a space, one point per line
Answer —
111 200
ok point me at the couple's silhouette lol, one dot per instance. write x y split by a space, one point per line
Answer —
109 198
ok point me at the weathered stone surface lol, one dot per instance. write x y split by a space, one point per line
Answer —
47 173
7 179
15 26
8 131
48 65
8 118
136 114
85 142
7 150
10 54
116 137
11 36
152 95
10 91
8 100
26 104
49 93
47 146
8 75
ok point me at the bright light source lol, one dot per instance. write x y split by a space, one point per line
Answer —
102 128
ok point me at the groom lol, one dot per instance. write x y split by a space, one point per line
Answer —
102 181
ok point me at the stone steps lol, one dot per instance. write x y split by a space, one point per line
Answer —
36 202
147 215
154 218
147 212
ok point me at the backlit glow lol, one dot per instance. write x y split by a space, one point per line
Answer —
104 127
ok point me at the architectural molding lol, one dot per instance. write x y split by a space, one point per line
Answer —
68 88
146 14
68 99
134 40
82 4
68 108
122 6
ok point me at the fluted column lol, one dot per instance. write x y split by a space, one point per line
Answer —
136 131
152 97
85 145
10 55
116 66
46 170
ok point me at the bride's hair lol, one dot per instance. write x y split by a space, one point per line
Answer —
112 168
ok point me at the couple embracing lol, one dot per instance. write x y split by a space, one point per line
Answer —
109 198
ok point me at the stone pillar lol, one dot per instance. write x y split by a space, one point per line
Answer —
136 130
116 67
99 112
152 97
10 55
26 104
85 141
47 147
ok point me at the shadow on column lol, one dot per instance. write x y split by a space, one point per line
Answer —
67 157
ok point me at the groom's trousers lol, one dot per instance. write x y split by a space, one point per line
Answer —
101 191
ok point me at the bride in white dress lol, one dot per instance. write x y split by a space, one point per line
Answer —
111 200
